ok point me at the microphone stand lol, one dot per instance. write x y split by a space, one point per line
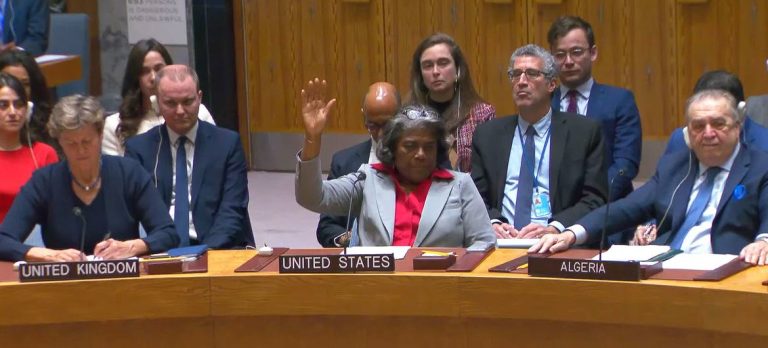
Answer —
607 212
360 177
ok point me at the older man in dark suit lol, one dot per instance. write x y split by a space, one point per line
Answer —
198 168
712 199
543 169
379 105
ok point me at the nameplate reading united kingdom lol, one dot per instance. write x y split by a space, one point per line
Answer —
52 271
337 263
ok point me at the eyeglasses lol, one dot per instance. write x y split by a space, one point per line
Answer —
719 124
575 53
18 104
531 74
374 127
419 112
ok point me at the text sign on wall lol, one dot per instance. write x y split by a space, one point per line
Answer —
164 20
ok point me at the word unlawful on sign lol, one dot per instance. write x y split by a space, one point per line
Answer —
37 272
336 263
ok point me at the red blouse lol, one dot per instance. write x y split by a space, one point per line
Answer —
16 168
408 206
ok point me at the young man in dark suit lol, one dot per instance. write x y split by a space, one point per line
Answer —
380 104
711 199
543 169
198 168
572 42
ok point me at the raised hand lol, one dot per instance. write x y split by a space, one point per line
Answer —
315 108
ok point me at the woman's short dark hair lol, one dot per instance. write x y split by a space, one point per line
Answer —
8 80
132 109
40 94
409 118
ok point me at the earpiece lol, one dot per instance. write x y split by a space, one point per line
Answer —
154 105
458 74
30 110
686 137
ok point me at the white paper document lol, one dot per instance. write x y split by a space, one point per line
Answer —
516 243
49 58
633 252
399 251
698 262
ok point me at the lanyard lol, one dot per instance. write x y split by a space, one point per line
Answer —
537 171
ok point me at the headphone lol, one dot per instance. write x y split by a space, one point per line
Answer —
154 105
157 154
30 109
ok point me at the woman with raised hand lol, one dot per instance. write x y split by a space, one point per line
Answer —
405 200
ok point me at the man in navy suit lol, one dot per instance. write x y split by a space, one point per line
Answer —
712 199
197 161
25 24
380 104
572 42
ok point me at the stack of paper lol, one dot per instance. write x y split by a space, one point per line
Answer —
633 252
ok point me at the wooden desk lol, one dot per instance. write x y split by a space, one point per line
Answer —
420 309
62 71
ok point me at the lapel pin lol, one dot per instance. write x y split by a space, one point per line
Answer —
739 192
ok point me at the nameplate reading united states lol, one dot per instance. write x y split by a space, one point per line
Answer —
337 263
51 271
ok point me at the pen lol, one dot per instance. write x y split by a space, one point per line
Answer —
647 232
436 253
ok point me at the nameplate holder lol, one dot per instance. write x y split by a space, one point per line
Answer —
54 271
589 269
337 263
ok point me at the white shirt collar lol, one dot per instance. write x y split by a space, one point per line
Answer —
191 135
726 167
541 126
584 89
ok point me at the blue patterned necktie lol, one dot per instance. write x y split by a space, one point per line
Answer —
697 208
525 184
181 210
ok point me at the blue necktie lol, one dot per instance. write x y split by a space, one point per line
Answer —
697 208
181 210
525 182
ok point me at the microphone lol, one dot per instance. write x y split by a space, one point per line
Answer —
360 176
607 212
79 213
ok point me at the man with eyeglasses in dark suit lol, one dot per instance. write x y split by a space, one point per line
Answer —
543 169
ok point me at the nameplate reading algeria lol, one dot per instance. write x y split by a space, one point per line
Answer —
583 269
337 263
52 271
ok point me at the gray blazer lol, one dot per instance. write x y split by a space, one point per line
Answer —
454 214
757 109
